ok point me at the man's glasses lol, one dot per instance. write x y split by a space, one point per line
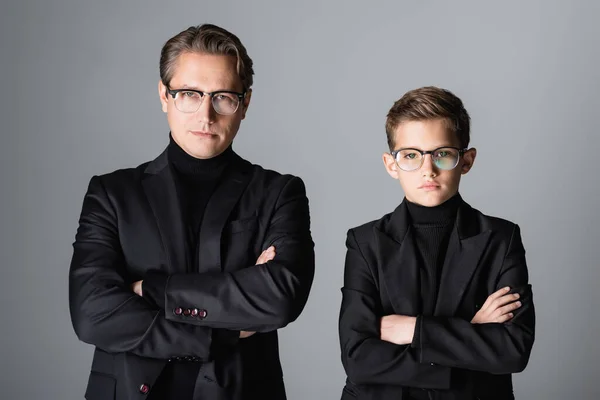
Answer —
224 102
445 158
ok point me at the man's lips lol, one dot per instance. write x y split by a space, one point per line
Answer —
203 133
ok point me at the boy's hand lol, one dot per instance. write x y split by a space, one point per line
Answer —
265 256
497 308
398 329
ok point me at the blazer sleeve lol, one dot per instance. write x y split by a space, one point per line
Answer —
263 297
105 312
494 348
366 358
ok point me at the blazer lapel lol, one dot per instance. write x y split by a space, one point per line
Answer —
218 210
160 190
398 261
466 245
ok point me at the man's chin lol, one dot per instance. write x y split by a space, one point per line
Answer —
205 151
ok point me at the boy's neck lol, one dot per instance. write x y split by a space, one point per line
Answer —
444 212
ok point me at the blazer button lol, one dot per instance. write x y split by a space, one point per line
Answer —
144 389
187 312
178 311
202 314
194 312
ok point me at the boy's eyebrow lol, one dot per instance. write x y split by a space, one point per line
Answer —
429 149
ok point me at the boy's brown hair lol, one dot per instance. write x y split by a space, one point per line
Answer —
429 103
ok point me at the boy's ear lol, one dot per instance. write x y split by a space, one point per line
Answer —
390 165
468 160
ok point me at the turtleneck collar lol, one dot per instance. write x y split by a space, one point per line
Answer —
190 166
440 214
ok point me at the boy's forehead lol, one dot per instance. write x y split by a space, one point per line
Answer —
424 134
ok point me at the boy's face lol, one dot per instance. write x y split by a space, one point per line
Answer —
428 185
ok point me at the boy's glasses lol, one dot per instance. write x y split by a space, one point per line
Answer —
445 158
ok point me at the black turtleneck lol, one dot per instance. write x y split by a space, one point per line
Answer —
431 227
195 181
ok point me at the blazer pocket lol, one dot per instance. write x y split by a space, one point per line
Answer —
100 387
241 225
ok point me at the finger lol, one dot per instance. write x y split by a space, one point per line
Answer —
262 258
265 256
494 296
508 308
501 301
504 318
270 253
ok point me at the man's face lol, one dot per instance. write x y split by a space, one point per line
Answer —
204 133
428 185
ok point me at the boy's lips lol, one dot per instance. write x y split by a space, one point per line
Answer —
429 185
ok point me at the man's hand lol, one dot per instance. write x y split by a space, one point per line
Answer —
398 329
265 256
497 308
137 287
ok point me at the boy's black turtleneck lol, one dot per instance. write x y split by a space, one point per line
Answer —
195 181
431 228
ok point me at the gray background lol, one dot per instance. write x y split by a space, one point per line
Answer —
79 98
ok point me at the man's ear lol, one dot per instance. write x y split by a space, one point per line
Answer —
246 103
163 95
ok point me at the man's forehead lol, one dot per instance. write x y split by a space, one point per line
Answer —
206 83
196 70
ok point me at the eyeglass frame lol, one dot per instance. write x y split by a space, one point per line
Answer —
240 96
423 153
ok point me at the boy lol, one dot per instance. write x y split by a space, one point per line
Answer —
436 301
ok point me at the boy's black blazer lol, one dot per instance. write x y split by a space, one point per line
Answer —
382 278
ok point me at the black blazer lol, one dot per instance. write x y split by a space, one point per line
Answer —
382 278
131 224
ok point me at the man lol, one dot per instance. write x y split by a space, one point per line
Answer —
436 299
162 280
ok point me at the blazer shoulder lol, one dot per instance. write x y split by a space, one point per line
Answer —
123 179
272 180
497 225
365 233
